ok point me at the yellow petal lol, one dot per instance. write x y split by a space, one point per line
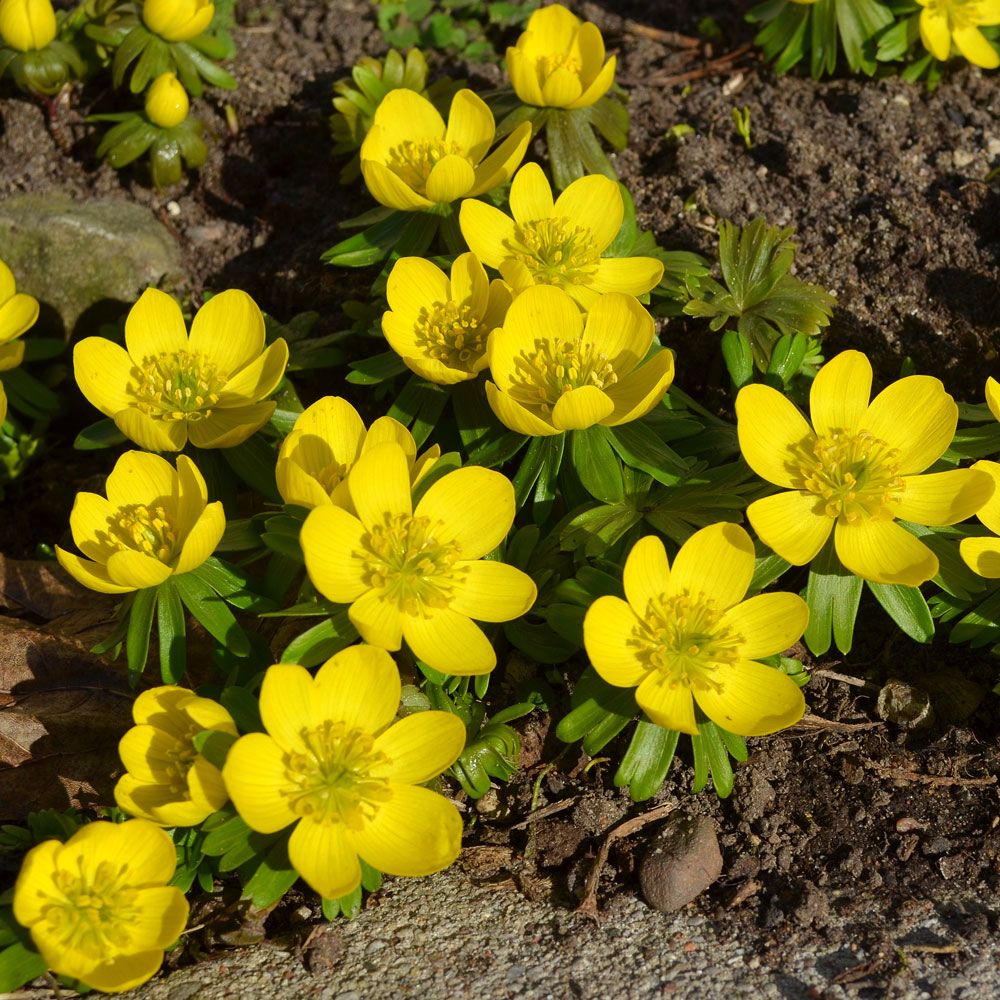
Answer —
329 432
387 430
523 77
972 43
497 303
229 426
421 746
129 568
752 700
228 330
358 686
286 699
639 391
380 484
205 785
378 620
449 642
793 524
155 325
91 574
410 116
630 275
884 552
254 774
103 371
581 408
124 972
417 832
588 49
944 497
147 752
8 286
500 165
593 202
203 539
618 328
470 125
717 562
451 178
324 856
513 415
982 556
934 33
469 283
599 87
148 850
259 378
89 521
140 478
552 29
492 591
192 496
609 630
11 355
838 400
415 286
771 433
388 189
37 869
331 540
530 194
667 704
916 416
768 623
297 487
993 397
989 513
646 573
562 87
153 435
158 918
17 315
475 508
486 230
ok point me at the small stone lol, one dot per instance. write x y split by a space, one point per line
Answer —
963 157
324 951
905 705
173 209
682 861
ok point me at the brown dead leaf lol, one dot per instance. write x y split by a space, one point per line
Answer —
43 589
62 712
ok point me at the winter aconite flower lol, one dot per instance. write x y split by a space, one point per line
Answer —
167 388
27 25
167 101
418 573
558 61
686 637
558 242
854 471
335 764
155 523
556 370
18 313
983 554
167 779
326 441
412 161
98 907
945 21
439 325
178 20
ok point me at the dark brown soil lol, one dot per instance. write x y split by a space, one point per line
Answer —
840 833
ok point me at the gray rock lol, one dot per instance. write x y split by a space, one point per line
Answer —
683 860
74 255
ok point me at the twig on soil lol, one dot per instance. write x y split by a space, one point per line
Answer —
937 780
672 38
843 678
749 888
930 949
588 905
550 810
722 65
817 723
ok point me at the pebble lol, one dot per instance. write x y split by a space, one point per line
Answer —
682 861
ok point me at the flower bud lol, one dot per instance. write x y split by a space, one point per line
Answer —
166 101
178 20
27 25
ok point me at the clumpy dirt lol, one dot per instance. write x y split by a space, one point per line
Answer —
846 829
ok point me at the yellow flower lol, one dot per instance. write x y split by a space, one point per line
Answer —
18 313
167 102
558 242
945 21
326 441
167 780
411 161
27 25
555 370
98 907
439 326
168 388
558 61
685 636
982 555
3 404
178 20
419 574
336 765
853 472
155 523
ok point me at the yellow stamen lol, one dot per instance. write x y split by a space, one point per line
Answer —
412 161
451 333
555 251
557 366
180 385
143 529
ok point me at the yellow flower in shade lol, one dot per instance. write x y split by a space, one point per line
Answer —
685 636
18 313
419 574
155 523
558 242
167 388
854 471
983 554
326 441
945 21
27 25
558 61
98 907
167 780
412 161
336 764
178 20
439 325
167 102
3 404
556 370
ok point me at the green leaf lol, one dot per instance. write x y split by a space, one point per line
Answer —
711 758
907 607
273 878
103 434
140 623
213 613
321 641
375 369
171 627
598 712
596 464
647 760
19 965
640 447
254 461
833 594
244 709
371 245
214 745
222 839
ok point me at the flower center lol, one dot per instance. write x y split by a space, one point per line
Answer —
332 475
681 639
548 64
92 914
412 161
960 13
856 474
451 333
177 386
139 528
555 252
330 779
556 367
403 558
